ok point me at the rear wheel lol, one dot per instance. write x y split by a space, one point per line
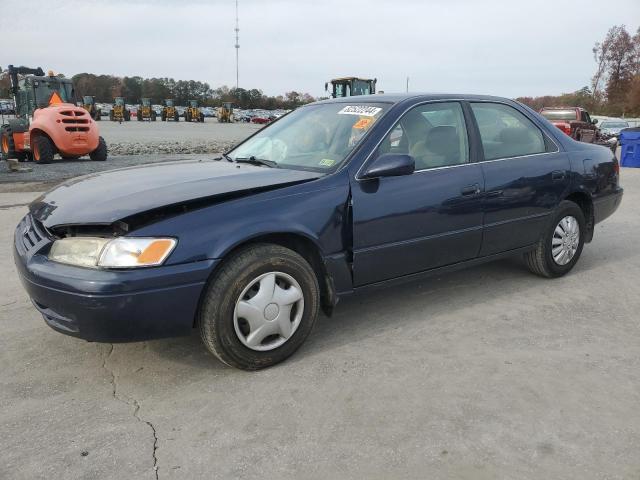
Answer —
259 307
561 245
100 153
43 150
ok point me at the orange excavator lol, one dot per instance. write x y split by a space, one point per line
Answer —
48 122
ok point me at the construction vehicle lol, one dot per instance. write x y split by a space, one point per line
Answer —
48 121
119 112
89 104
193 113
350 86
169 111
225 113
146 111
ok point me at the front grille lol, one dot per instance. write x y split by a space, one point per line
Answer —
31 234
78 120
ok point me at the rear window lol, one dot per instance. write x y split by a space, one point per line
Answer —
559 114
615 125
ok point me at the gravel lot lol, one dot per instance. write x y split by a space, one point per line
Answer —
135 143
131 138
488 373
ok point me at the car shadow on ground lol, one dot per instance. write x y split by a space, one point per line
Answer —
361 316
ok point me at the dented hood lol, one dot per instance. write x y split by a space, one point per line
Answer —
104 198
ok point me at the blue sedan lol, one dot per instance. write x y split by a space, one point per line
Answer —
337 197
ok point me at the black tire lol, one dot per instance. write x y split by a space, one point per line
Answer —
202 118
8 148
98 116
7 144
176 117
153 116
540 260
127 116
111 117
163 116
43 149
139 116
186 117
100 153
216 315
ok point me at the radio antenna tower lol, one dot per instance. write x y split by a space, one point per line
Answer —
237 46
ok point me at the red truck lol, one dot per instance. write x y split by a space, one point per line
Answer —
574 121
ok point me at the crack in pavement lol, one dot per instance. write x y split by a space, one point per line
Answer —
132 402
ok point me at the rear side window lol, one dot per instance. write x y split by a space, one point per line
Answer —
505 132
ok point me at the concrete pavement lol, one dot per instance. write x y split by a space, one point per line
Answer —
487 373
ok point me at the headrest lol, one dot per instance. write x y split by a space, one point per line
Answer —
443 140
515 135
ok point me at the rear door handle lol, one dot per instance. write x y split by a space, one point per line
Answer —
470 190
557 175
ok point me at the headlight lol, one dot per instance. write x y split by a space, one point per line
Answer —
121 252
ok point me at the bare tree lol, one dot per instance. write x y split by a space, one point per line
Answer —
600 55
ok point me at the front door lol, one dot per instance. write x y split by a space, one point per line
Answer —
412 223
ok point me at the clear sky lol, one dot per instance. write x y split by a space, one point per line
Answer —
501 47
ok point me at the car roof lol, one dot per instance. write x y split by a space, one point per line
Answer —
399 97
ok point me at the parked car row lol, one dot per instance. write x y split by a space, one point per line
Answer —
579 125
6 107
258 116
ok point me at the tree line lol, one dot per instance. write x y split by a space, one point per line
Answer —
615 86
106 87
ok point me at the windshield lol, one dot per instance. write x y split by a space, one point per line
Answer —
614 125
44 88
316 137
361 87
559 114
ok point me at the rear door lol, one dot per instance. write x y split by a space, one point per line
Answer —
407 224
526 176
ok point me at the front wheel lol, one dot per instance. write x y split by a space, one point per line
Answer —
560 247
259 307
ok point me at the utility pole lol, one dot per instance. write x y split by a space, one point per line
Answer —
237 47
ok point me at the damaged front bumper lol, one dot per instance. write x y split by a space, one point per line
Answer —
108 305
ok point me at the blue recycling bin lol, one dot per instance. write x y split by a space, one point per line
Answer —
630 151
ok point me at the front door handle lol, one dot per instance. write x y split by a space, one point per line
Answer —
470 190
557 175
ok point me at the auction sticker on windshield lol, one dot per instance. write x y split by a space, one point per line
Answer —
362 110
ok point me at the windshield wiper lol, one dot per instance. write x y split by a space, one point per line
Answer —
258 161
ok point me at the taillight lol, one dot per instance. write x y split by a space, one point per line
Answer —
565 127
616 166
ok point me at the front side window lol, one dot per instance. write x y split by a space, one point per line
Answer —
434 134
315 137
505 132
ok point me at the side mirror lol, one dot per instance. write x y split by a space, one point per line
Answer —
390 165
594 121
